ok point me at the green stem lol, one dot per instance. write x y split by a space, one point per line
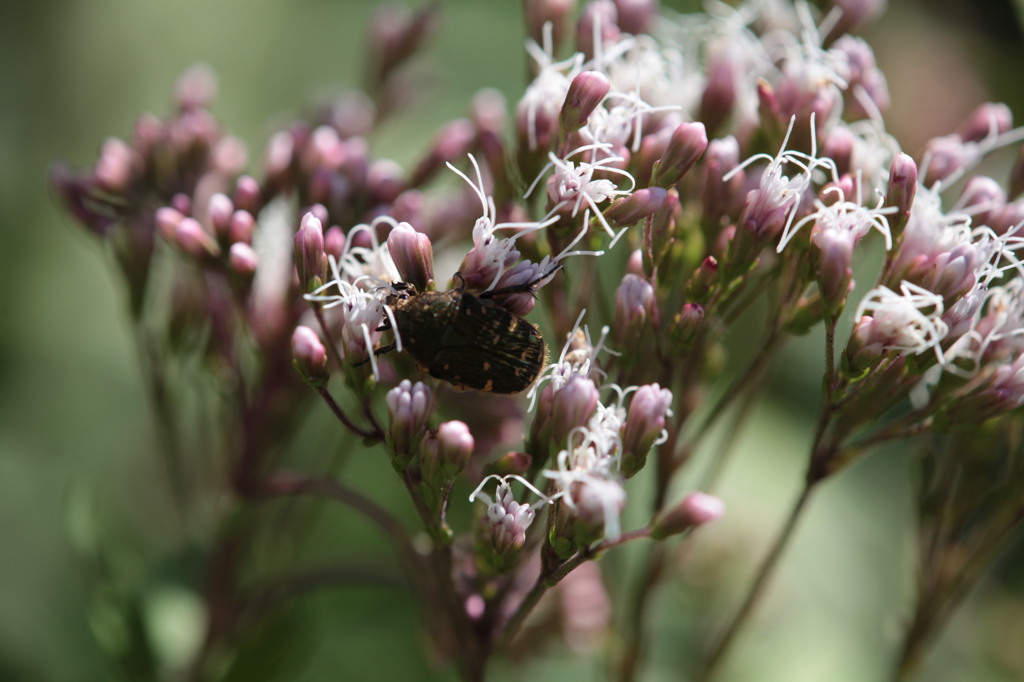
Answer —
721 646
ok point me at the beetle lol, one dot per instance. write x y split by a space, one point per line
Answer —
467 339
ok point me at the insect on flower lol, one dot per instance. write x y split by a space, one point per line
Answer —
467 339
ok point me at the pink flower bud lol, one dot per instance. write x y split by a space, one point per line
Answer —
839 147
556 12
413 255
586 92
242 259
409 408
572 406
636 16
688 143
644 423
115 166
334 242
599 21
191 238
517 463
455 446
719 98
247 194
901 192
310 260
167 221
309 356
632 209
636 309
219 212
196 88
988 120
703 281
242 226
385 181
686 323
697 509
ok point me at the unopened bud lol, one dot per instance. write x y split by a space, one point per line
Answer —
635 207
517 463
455 446
191 238
310 260
839 147
586 92
697 509
409 407
644 424
412 254
636 16
688 143
686 324
115 166
247 194
572 406
901 192
196 88
219 212
987 120
703 280
242 259
334 242
636 309
831 258
309 356
599 21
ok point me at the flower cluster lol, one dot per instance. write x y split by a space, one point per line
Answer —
664 176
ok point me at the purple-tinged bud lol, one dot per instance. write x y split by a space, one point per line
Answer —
586 92
1009 217
599 503
242 259
556 12
409 408
502 530
839 147
384 181
451 144
635 264
697 509
686 323
115 166
659 232
703 280
632 209
984 197
831 258
719 97
278 156
148 132
636 16
196 88
598 22
309 357
242 226
988 120
219 212
853 14
901 192
167 221
182 203
645 422
413 255
228 156
455 447
512 463
247 194
334 242
636 309
572 406
688 143
395 35
720 198
310 259
191 238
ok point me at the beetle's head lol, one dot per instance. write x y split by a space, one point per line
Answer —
400 291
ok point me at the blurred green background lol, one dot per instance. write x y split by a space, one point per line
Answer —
77 458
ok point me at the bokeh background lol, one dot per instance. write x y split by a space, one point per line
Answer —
78 466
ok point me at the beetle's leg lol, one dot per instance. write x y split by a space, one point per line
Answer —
462 282
376 353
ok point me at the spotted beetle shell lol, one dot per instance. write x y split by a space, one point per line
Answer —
465 340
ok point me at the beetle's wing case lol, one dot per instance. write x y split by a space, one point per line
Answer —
487 348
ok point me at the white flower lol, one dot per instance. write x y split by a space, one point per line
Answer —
845 218
909 320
